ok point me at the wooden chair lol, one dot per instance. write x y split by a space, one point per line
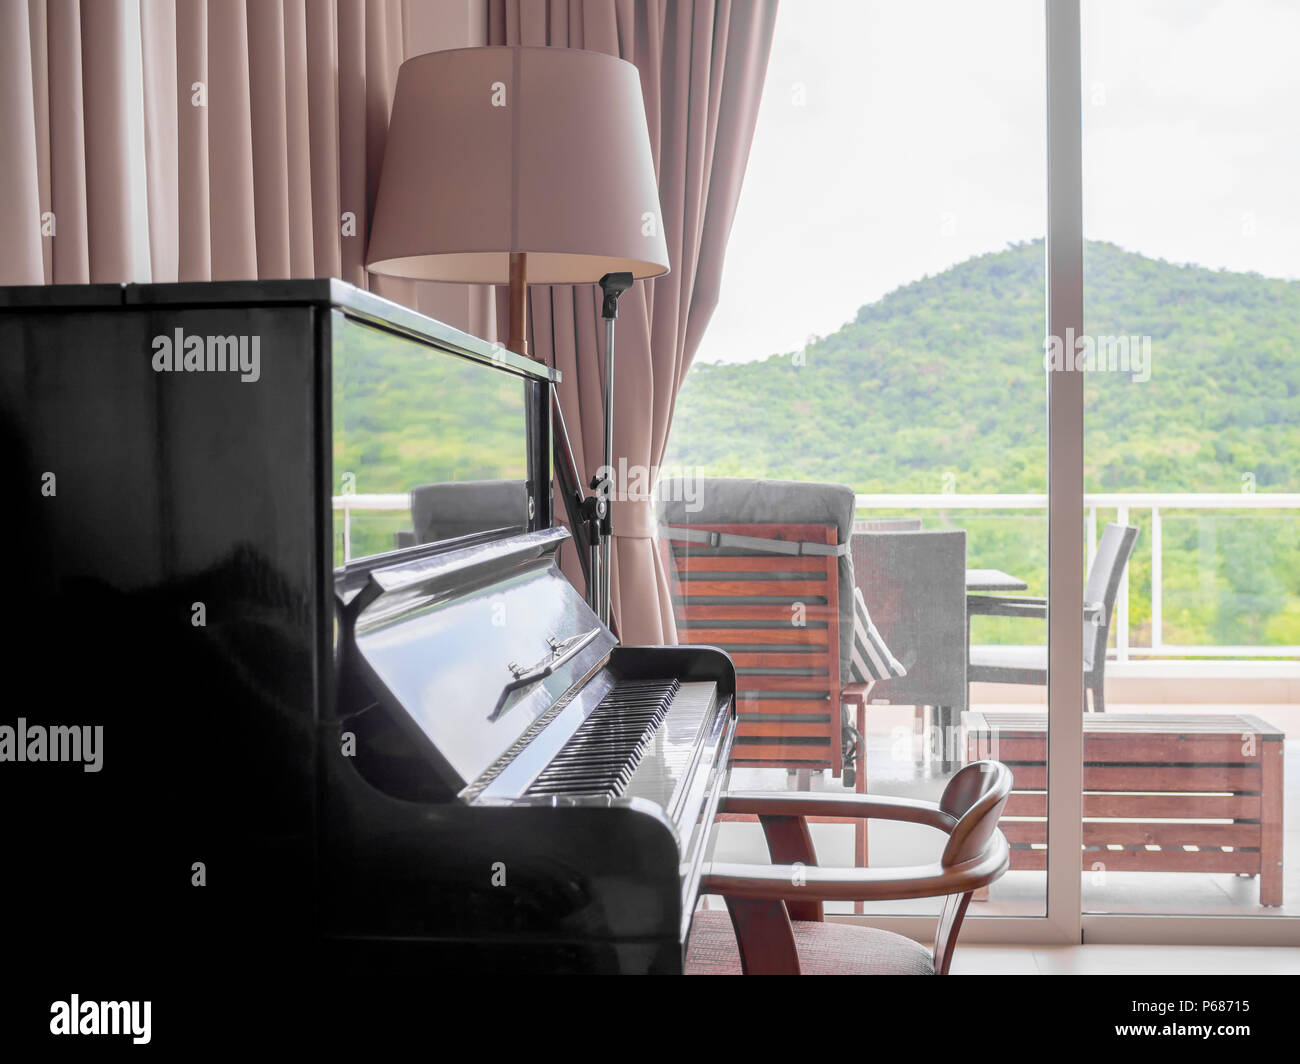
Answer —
774 923
779 618
1028 664
791 700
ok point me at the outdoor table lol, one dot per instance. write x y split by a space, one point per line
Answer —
993 580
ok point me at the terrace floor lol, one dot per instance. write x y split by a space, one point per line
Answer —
1101 959
1022 893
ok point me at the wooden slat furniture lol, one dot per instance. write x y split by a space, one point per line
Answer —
778 617
1162 793
789 689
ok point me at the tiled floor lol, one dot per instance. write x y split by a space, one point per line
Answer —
892 770
1125 960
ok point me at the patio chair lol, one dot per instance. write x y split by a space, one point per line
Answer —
459 508
1028 664
774 923
916 583
761 569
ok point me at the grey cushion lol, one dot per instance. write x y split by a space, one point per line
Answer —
446 511
743 500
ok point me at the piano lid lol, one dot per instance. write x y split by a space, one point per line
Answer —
470 648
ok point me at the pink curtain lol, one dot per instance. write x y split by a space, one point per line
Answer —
63 161
263 125
263 130
702 67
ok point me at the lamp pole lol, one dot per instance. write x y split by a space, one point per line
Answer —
612 285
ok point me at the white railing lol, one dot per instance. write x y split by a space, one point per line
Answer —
1124 503
348 503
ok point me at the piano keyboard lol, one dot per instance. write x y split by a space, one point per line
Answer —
603 754
676 749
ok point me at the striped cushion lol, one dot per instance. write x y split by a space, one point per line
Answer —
870 659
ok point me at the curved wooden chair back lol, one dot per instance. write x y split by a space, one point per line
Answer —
976 797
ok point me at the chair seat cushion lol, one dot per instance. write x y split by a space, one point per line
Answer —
1007 664
824 949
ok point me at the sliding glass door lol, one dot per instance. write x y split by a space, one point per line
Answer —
880 327
1192 408
1105 432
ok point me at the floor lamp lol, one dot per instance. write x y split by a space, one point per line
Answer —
517 166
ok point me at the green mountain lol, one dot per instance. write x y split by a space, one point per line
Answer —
945 375
940 386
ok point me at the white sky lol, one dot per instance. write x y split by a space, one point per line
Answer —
898 137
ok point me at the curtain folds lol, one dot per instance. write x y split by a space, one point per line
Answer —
260 138
263 126
702 67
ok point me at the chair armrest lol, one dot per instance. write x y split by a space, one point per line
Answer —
817 883
860 806
855 694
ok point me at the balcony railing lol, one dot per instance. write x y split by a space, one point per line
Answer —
1125 504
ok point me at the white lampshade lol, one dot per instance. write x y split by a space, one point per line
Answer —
494 151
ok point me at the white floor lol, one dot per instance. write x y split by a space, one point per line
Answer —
1125 960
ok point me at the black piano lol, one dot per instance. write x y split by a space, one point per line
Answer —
350 720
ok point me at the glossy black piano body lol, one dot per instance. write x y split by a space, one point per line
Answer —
545 861
269 797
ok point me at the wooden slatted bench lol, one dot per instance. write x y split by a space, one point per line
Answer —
1162 793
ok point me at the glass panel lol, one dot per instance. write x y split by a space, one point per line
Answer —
427 446
1192 302
880 326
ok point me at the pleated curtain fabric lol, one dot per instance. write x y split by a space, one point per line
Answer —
702 67
63 161
263 136
263 128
